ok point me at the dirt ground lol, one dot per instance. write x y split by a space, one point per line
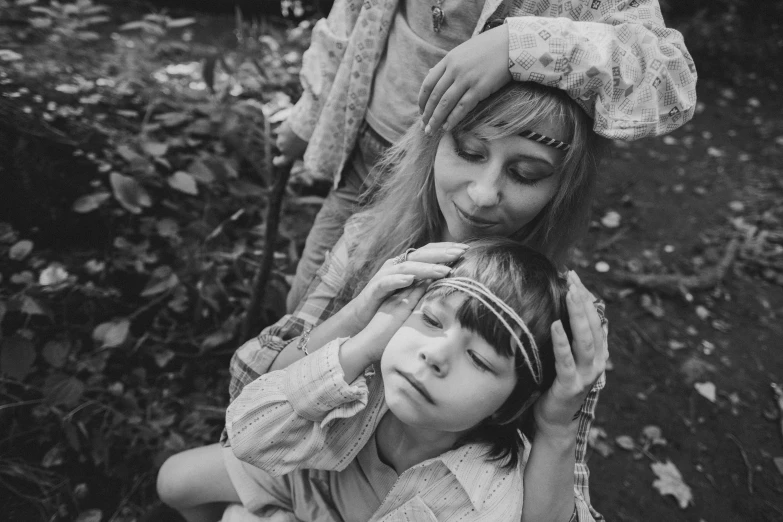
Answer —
666 206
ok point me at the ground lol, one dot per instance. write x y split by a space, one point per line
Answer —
118 317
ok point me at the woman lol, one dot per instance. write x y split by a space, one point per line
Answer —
521 165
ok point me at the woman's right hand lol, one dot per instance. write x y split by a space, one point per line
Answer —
423 263
291 146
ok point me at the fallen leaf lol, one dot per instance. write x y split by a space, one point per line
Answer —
7 55
53 457
695 369
602 267
91 515
90 202
706 390
53 274
669 482
779 464
163 357
625 442
155 149
183 182
611 219
60 389
129 193
653 435
596 439
162 280
112 334
20 250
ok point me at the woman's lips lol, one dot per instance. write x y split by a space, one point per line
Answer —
473 221
417 385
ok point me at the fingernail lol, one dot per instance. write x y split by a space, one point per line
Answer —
462 246
427 129
559 327
456 252
443 270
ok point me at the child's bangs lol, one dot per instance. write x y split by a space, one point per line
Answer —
477 318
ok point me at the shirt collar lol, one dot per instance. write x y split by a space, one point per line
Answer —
475 473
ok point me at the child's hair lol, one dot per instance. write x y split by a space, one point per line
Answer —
404 210
529 283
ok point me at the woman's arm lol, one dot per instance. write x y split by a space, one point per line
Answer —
617 58
555 476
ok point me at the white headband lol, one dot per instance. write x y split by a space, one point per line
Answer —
483 294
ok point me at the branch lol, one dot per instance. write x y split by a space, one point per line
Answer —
678 284
253 316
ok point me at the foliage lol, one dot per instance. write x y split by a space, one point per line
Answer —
108 351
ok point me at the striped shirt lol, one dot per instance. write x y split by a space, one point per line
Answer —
308 417
324 299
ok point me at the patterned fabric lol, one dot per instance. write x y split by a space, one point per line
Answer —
615 57
308 417
324 299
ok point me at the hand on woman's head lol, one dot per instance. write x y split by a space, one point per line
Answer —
425 263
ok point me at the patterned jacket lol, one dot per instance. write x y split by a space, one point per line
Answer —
616 58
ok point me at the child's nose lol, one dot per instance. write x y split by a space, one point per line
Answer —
436 357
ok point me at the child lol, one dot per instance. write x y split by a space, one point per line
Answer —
374 66
435 433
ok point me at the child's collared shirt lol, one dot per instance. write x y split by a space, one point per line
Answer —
616 58
308 417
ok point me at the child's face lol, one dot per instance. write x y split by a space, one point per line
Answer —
441 376
493 187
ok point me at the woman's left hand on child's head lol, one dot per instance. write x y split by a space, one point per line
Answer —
468 74
578 365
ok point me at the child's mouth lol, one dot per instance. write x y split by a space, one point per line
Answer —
417 385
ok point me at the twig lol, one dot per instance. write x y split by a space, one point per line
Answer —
748 467
22 403
676 284
253 316
778 391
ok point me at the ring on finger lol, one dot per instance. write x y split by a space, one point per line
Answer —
402 257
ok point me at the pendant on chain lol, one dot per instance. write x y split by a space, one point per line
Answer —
438 16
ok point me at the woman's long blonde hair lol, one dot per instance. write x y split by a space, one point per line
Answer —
404 211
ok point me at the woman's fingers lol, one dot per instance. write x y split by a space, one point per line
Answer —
451 99
596 326
584 347
429 83
437 96
565 365
438 253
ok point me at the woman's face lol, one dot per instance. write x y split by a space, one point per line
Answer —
493 187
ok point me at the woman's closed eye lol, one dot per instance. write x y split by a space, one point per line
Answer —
524 177
468 155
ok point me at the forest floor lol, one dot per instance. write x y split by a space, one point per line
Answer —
124 271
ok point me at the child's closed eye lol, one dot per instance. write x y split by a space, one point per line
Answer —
430 320
479 362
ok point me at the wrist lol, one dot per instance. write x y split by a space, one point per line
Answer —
353 318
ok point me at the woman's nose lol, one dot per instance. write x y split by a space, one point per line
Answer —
483 191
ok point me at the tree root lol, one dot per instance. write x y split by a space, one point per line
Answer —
674 284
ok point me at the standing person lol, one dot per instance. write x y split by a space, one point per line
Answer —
520 165
451 451
373 66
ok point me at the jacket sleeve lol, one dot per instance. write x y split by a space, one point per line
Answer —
616 58
296 417
319 66
583 510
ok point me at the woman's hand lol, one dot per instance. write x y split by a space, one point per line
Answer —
578 367
468 74
291 146
421 264
367 347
